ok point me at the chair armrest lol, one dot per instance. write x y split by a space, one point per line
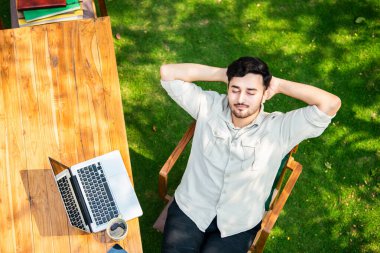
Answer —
163 175
279 204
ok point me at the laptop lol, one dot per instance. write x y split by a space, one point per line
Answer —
95 191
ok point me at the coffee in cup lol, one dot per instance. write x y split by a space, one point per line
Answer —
117 229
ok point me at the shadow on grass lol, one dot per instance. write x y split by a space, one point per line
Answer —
5 14
335 203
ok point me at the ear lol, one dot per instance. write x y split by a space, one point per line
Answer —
265 96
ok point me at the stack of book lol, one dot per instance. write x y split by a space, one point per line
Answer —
37 12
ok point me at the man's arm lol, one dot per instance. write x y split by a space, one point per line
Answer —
191 72
325 101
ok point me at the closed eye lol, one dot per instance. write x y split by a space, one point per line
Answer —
251 91
235 89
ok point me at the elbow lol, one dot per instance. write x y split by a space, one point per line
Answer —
165 72
335 105
331 106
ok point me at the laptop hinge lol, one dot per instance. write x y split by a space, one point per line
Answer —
81 202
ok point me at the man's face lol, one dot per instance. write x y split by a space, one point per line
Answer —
245 95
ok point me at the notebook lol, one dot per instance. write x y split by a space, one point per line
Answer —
75 15
31 15
95 191
37 4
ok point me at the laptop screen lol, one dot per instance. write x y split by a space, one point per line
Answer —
57 166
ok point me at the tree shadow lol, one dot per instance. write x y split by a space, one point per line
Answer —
5 14
321 36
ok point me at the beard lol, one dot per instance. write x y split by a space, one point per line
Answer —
241 114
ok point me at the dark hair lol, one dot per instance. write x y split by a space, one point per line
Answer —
247 64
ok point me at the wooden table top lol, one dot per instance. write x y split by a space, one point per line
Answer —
59 97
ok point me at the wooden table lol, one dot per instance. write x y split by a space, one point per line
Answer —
59 97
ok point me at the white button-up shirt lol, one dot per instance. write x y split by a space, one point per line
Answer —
230 171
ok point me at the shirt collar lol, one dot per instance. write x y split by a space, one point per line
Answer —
226 116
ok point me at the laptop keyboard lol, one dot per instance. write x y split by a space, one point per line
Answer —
98 193
70 203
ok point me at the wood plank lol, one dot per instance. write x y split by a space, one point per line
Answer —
7 239
49 142
116 123
90 105
41 223
62 67
84 137
15 155
90 78
111 86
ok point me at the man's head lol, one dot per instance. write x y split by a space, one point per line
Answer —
247 64
248 79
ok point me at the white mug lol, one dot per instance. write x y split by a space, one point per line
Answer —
117 228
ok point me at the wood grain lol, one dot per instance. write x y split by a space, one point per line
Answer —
114 108
62 66
59 98
89 85
15 155
47 111
7 240
31 137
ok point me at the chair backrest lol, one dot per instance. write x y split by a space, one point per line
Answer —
276 180
280 191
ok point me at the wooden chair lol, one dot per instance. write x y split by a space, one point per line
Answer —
286 178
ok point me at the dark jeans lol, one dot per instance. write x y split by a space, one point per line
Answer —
181 235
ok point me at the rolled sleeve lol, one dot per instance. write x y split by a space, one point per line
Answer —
301 124
175 88
187 95
191 97
317 117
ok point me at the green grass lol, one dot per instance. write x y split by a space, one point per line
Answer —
335 205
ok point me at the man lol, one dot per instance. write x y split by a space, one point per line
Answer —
236 151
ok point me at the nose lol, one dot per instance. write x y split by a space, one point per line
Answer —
241 98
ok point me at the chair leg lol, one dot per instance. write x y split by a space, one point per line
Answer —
1 24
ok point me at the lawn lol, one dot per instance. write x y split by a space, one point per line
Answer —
335 204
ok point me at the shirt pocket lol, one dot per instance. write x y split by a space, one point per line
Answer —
216 150
249 149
